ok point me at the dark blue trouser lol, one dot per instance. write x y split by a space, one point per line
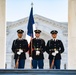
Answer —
39 63
56 63
21 63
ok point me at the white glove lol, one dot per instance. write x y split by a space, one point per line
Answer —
37 52
18 53
30 58
20 50
54 54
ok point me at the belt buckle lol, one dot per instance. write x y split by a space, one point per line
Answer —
37 48
54 49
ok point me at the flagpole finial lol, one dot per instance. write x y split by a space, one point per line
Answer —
32 4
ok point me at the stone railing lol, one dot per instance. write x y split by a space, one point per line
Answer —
36 72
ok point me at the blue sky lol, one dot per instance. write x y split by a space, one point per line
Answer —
53 9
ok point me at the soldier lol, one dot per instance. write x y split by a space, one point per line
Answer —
54 48
19 48
36 55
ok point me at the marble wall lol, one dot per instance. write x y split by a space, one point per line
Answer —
2 34
72 35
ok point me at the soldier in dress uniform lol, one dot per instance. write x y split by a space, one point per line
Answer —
54 48
19 48
37 48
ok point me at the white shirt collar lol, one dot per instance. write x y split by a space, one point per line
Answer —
20 38
55 39
37 38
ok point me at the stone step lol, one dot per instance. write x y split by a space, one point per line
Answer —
36 72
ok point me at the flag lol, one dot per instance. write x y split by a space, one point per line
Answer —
30 26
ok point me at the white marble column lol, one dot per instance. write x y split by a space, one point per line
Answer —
2 34
72 35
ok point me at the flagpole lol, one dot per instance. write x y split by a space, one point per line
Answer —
31 38
30 27
32 4
31 52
